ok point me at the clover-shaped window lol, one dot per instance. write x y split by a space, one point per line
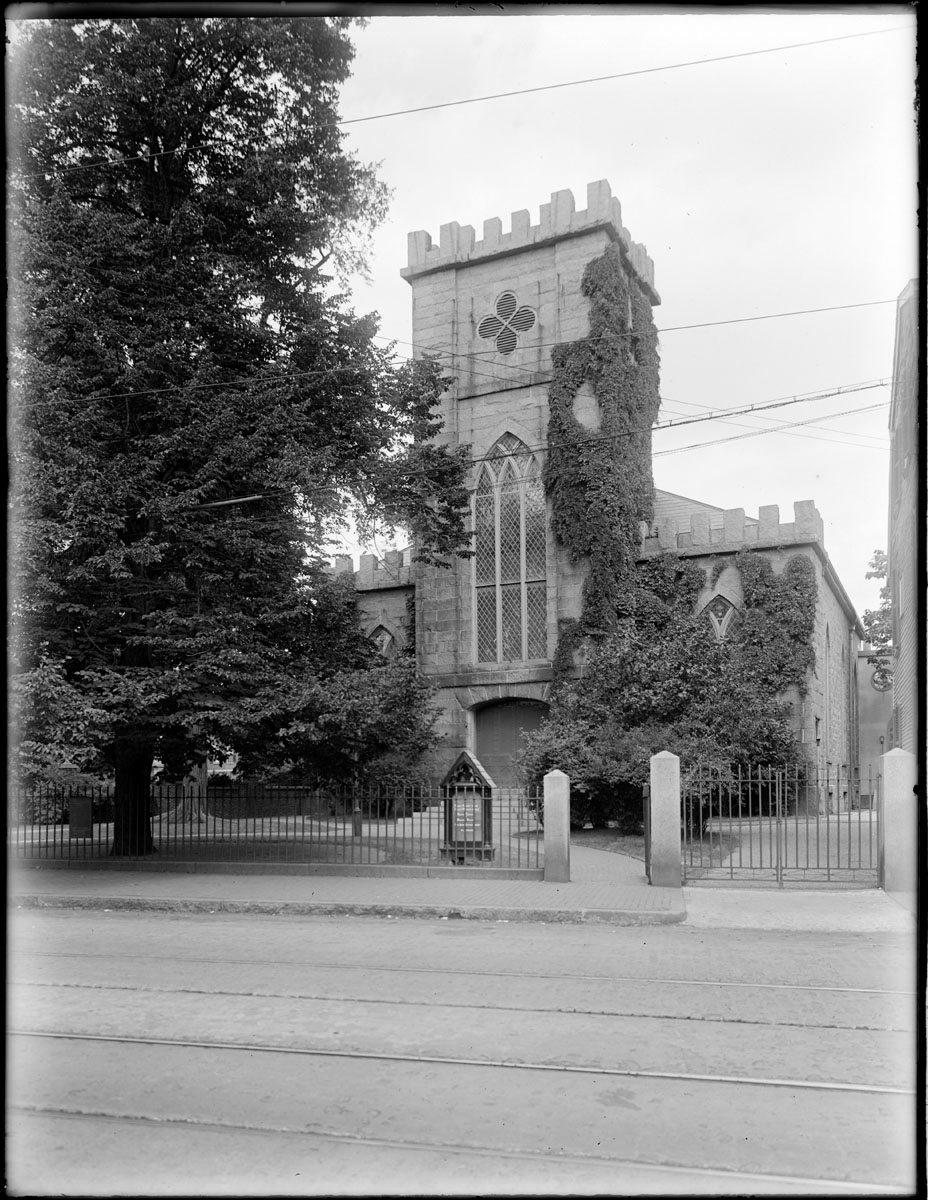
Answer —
509 322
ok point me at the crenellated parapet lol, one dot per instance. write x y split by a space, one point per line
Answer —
374 574
733 531
558 220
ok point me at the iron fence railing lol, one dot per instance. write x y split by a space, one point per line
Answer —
412 826
781 823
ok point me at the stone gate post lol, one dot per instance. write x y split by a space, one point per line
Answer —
666 868
899 825
557 827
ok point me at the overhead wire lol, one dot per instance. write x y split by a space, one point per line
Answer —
797 312
288 376
404 112
501 95
775 424
784 428
696 62
597 438
321 372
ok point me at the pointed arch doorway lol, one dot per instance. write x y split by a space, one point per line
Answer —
498 729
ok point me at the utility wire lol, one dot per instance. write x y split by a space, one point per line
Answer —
737 437
796 312
786 428
596 438
549 87
321 372
482 358
781 403
883 444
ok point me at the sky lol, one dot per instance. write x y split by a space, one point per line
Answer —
766 183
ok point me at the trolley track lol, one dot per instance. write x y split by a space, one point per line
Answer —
497 1109
322 964
449 1061
574 1009
718 1180
615 1060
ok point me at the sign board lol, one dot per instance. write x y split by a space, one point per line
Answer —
80 817
468 818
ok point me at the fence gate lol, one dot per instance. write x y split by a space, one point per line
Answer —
782 825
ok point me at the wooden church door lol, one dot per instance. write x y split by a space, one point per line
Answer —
498 736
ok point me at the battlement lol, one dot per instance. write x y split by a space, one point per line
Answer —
373 573
559 219
733 531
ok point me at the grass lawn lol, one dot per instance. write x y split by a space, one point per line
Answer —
709 853
611 840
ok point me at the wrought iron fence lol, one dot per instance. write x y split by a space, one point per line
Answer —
411 826
781 824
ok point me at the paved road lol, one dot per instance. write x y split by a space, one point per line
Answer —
157 1054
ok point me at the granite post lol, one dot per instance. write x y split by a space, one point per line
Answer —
557 827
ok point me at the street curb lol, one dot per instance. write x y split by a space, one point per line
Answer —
580 916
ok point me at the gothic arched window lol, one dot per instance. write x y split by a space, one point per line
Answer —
509 556
384 641
722 615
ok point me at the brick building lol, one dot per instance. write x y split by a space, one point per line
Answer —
487 628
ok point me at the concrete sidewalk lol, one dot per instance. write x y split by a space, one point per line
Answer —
605 888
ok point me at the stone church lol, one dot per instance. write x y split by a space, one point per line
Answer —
486 629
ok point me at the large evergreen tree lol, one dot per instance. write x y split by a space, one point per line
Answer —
193 409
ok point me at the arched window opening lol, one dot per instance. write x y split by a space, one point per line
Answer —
509 556
384 640
722 615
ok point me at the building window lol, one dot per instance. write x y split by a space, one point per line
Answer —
722 615
510 320
384 641
510 600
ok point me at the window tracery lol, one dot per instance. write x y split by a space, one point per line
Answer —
509 556
722 614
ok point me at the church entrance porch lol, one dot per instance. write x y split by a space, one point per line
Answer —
498 729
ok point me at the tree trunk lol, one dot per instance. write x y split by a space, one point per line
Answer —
132 821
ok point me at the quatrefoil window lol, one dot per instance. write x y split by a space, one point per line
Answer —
509 322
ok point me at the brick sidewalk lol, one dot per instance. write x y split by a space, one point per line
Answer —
605 888
608 888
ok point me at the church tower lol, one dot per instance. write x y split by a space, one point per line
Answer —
493 311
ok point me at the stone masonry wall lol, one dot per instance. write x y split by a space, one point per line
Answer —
456 285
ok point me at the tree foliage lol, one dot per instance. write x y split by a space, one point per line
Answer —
194 408
878 625
663 680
